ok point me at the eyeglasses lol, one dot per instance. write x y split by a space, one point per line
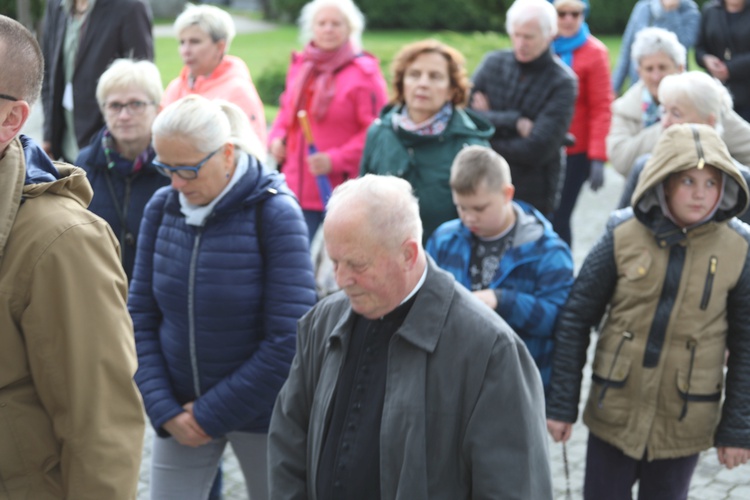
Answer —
134 108
186 172
574 15
9 97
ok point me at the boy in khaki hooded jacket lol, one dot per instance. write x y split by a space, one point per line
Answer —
672 274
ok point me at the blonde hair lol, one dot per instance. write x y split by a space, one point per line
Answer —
127 74
474 165
208 125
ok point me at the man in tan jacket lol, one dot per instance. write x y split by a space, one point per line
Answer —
71 419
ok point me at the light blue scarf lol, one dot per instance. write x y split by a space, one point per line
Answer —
565 45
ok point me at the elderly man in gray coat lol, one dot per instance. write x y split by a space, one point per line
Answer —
404 386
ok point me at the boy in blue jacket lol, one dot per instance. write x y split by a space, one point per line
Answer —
504 251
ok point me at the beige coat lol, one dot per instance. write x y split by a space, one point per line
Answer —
628 139
71 418
670 406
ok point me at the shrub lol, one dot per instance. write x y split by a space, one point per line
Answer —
270 83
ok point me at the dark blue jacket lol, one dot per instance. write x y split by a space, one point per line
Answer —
132 192
215 307
534 277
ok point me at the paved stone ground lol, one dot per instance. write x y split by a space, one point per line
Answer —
710 482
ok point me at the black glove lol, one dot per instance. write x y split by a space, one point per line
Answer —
596 174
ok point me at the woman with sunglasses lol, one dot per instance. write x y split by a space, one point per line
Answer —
118 162
681 17
589 59
222 274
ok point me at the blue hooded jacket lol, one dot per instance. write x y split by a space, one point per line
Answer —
215 308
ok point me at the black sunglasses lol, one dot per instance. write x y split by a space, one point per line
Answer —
9 97
573 14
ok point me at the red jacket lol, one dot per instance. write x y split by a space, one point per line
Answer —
592 114
360 93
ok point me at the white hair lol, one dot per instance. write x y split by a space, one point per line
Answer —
704 93
523 11
650 41
208 125
217 23
127 74
350 11
392 208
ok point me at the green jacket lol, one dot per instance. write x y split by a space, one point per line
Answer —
424 161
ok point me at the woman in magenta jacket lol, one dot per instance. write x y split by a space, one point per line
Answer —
589 59
342 90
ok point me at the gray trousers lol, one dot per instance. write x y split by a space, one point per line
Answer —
184 473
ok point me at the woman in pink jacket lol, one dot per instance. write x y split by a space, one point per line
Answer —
342 90
205 33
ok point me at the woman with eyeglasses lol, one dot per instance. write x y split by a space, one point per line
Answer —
589 59
118 161
222 274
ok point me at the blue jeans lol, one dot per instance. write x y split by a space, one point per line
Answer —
611 474
183 473
313 219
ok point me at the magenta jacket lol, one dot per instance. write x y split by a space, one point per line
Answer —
360 93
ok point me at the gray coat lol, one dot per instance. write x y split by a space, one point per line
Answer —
463 415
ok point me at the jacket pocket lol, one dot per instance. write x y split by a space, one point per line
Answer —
607 400
693 408
638 267
706 297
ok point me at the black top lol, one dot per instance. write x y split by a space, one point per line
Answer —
350 456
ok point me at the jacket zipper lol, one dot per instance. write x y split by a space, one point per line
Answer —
606 383
712 263
191 314
691 344
698 148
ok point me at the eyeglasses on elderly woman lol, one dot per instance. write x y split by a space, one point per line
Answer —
186 172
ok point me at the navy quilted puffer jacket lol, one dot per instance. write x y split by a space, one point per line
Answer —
214 313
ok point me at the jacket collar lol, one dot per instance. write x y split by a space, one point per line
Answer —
424 323
13 176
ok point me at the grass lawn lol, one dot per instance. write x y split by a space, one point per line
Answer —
270 50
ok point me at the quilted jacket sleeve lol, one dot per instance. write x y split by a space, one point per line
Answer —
734 427
289 292
152 376
584 309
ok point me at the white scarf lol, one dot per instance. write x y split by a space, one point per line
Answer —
195 215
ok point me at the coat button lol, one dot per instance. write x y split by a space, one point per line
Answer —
641 271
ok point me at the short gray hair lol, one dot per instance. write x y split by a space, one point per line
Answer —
22 61
217 23
699 90
351 12
207 125
392 208
523 11
127 74
650 41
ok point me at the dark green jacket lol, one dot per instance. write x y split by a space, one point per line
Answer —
424 161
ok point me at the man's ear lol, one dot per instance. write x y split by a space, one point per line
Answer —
410 251
12 119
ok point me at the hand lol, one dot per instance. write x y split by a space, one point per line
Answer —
712 62
668 5
278 150
524 126
596 174
487 297
560 431
480 102
722 72
186 430
732 457
47 147
319 163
